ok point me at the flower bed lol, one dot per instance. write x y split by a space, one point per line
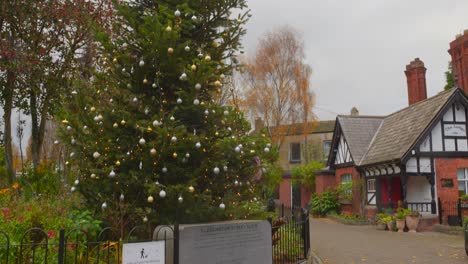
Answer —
349 219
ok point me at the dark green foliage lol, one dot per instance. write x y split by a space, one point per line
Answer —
449 78
323 203
155 128
305 174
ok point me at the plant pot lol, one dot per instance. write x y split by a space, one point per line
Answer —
381 226
390 226
400 223
412 222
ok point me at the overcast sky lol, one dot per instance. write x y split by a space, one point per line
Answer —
358 49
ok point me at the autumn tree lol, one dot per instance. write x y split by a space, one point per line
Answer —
42 46
277 83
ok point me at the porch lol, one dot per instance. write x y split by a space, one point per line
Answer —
414 192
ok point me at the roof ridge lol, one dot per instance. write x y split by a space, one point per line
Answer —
363 116
425 100
372 141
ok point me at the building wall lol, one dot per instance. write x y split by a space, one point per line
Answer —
324 182
285 191
356 203
284 148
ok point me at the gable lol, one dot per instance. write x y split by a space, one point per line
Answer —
343 155
449 131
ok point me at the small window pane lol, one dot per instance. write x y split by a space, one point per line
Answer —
295 152
326 147
461 188
461 174
371 185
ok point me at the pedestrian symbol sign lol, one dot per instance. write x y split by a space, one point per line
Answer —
144 253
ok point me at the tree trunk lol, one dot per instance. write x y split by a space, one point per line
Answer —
38 126
8 97
35 148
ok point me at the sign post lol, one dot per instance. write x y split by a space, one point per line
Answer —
144 253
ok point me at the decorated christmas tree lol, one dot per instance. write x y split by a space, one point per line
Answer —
145 136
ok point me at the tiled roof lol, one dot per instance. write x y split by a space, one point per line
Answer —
400 130
312 127
358 132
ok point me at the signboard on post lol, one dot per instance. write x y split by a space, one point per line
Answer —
234 242
144 253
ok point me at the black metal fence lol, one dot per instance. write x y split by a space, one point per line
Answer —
290 243
290 235
75 246
452 211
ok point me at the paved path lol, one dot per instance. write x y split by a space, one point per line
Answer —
336 243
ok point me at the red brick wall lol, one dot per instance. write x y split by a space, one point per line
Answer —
356 193
324 182
446 168
370 212
305 196
285 192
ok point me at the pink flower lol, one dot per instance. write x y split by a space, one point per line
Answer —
51 234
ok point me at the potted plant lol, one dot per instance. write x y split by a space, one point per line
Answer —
381 221
412 220
400 219
390 223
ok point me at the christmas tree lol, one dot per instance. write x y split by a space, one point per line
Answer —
144 133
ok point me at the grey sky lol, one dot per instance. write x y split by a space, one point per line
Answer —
358 49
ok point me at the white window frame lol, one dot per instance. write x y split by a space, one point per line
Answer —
291 160
371 183
464 179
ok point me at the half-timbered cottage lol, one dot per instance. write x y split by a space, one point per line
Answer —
415 156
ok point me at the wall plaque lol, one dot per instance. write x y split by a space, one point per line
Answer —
234 242
455 130
447 183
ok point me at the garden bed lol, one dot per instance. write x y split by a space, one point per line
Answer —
349 219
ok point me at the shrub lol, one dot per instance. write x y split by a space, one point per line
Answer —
289 245
324 203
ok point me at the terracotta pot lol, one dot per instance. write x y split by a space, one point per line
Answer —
390 226
400 223
412 222
381 226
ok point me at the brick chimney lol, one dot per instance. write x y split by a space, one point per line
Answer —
459 52
416 78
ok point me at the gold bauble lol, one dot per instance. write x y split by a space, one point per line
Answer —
153 151
216 134
114 60
149 129
168 29
117 163
65 122
92 109
191 189
174 155
123 122
170 51
145 81
193 67
208 58
218 84
215 44
115 125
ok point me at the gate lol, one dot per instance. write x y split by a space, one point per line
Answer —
452 212
290 238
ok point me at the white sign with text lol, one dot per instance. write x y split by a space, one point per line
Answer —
143 253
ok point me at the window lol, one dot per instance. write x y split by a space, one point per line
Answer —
295 152
326 148
462 175
346 178
371 185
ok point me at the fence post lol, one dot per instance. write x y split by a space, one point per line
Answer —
304 233
176 243
440 210
61 248
459 212
282 210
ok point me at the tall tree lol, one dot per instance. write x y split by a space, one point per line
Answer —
46 39
146 134
450 82
277 83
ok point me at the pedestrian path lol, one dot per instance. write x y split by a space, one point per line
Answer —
336 243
